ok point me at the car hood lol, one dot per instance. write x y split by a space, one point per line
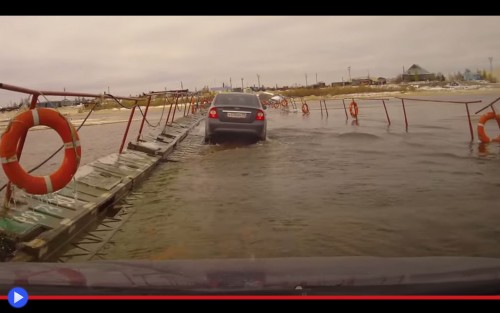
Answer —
326 275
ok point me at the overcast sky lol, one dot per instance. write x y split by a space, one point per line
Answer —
134 54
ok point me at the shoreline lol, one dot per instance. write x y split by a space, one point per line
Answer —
419 92
72 112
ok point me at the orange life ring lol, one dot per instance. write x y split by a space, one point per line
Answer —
305 108
480 127
353 109
18 127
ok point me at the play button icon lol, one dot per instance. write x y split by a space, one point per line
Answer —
18 297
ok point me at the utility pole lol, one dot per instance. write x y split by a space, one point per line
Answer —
316 78
108 90
231 82
349 69
258 79
64 91
242 84
182 87
306 79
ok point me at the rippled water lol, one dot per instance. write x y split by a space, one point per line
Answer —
326 187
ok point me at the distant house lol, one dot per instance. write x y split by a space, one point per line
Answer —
338 84
380 81
361 81
468 75
56 104
417 73
319 85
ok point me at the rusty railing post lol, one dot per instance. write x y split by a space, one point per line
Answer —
175 108
20 146
168 116
185 105
404 112
386 114
144 118
470 123
128 126
345 110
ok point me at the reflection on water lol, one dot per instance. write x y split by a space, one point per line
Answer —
321 187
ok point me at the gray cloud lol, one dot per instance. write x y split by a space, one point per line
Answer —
137 54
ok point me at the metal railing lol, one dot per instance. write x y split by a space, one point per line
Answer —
442 101
323 107
171 97
35 94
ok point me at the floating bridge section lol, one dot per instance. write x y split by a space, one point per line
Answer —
38 227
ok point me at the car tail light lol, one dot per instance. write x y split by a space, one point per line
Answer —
213 113
260 115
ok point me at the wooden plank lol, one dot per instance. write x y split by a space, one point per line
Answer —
164 139
121 170
97 184
61 200
69 193
137 163
91 190
143 148
136 156
54 210
100 179
17 228
33 217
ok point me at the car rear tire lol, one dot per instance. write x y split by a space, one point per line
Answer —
207 140
264 137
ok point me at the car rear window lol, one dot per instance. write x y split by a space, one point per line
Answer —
238 100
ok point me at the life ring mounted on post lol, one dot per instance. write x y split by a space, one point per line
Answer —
353 109
480 127
305 108
284 103
17 128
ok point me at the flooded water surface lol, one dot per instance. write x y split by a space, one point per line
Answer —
326 187
319 186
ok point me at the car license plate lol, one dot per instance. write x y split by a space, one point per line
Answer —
236 115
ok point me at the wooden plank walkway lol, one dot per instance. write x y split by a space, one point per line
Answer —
37 227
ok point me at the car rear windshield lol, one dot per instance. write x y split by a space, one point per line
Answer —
237 100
